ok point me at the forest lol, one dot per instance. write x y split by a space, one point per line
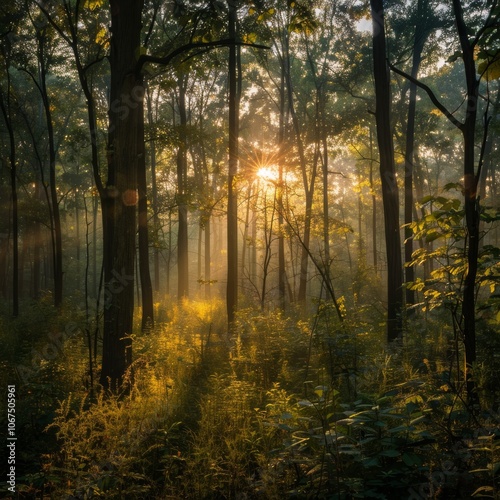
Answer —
250 249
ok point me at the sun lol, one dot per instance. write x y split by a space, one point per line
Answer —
268 173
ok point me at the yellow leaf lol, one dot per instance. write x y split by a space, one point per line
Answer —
250 38
101 36
490 68
93 4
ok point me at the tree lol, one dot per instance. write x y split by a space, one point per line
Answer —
142 218
126 95
6 107
182 193
390 194
423 26
471 173
232 201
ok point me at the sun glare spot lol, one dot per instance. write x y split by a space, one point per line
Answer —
268 173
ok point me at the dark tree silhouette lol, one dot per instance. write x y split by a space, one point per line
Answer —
390 194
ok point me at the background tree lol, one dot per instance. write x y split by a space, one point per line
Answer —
234 77
471 172
6 105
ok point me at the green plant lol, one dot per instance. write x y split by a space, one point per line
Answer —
106 446
225 446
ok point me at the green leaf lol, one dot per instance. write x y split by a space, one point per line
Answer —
433 235
371 462
391 452
304 402
412 459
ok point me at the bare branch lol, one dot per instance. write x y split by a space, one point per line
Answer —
144 59
431 95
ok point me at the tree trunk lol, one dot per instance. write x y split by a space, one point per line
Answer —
56 217
279 194
37 244
244 239
308 183
470 201
232 201
418 46
7 115
144 271
182 234
126 94
374 208
154 191
387 172
207 273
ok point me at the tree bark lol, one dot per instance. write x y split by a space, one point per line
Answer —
390 195
126 94
54 203
154 190
144 270
232 200
279 195
5 103
472 210
374 208
308 183
182 234
421 34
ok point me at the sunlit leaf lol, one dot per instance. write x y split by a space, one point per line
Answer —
94 4
250 37
490 68
483 489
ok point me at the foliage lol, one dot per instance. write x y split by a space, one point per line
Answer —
297 400
442 225
290 409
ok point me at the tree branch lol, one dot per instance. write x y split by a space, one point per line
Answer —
431 95
144 59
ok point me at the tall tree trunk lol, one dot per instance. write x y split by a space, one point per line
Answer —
207 273
54 202
279 194
4 250
126 94
144 271
232 201
5 103
470 200
308 183
77 238
37 244
95 208
374 208
421 35
154 191
244 242
388 175
182 234
268 239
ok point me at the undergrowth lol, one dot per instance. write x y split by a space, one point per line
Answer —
282 408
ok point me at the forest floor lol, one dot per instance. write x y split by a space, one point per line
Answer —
285 407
